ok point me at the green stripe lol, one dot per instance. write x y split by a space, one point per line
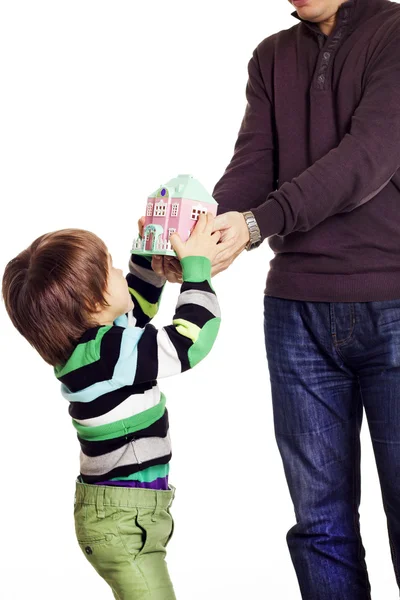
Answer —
149 309
196 269
84 354
204 342
122 427
187 329
150 474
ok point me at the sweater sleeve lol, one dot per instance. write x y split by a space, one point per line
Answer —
360 166
250 175
184 343
145 287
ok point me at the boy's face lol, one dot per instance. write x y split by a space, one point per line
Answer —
117 294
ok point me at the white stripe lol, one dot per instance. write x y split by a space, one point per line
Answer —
132 453
133 405
205 299
131 319
168 360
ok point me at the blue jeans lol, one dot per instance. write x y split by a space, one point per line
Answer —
327 363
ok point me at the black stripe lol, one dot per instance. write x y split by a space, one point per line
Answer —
126 470
199 315
141 261
89 335
181 344
103 404
158 429
100 370
147 359
150 292
203 286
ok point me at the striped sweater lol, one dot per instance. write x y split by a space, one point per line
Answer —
111 377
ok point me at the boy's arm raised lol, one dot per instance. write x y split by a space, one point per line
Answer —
181 345
145 287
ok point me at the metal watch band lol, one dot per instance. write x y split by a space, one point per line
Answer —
254 230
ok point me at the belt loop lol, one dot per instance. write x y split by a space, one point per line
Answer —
100 502
153 516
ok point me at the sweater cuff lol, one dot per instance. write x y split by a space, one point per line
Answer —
196 269
270 218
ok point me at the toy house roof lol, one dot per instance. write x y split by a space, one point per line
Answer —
184 186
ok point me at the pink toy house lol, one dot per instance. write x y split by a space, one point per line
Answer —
174 207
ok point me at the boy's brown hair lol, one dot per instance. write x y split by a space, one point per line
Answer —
52 289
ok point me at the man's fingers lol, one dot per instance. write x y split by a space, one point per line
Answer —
219 267
157 265
220 222
216 236
227 247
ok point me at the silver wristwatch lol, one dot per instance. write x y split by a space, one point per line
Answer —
254 230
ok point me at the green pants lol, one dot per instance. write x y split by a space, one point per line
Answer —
123 533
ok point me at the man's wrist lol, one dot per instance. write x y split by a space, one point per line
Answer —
255 237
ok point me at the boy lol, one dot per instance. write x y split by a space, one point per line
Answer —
92 325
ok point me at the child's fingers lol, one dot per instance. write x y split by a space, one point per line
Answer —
201 223
141 225
177 244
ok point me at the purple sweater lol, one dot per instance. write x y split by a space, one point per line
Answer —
317 157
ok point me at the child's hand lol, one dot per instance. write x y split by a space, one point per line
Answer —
141 225
202 242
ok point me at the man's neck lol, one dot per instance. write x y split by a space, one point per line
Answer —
327 26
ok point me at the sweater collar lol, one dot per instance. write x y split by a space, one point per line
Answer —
353 12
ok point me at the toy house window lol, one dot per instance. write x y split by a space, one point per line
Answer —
160 210
174 210
196 212
171 231
149 212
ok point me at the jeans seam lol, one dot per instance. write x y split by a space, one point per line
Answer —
353 322
356 464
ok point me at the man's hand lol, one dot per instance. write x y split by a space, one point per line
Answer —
167 266
234 237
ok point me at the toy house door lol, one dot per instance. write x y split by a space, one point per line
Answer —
149 240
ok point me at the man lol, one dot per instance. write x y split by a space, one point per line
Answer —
316 169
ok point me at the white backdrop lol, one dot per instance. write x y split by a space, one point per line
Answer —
101 102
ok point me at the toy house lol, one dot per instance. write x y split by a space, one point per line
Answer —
173 207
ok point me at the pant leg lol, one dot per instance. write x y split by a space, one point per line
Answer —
317 419
123 532
375 355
